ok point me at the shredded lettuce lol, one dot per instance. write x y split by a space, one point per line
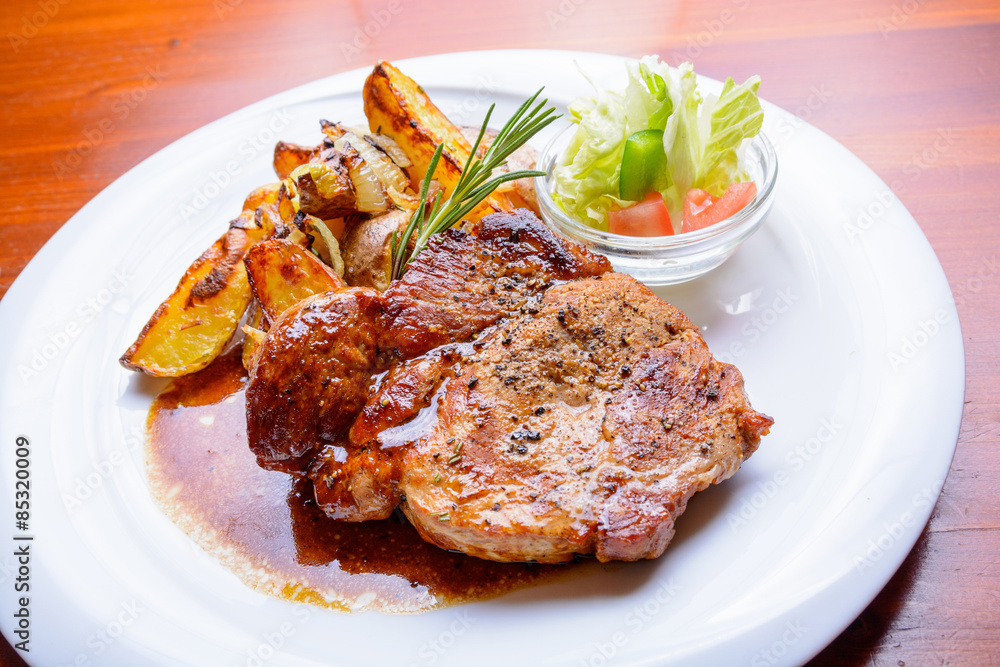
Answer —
586 174
682 139
701 138
736 116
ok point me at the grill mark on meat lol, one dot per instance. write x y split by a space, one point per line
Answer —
606 476
556 421
294 412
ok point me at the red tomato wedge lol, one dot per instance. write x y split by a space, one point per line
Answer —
695 203
701 210
649 217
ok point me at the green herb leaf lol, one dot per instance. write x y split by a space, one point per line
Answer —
475 183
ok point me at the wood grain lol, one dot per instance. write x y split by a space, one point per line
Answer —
92 87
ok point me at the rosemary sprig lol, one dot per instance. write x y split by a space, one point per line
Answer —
474 185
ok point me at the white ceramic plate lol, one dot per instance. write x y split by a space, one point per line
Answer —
836 311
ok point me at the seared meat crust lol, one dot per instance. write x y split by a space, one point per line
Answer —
522 402
583 429
319 358
463 283
312 378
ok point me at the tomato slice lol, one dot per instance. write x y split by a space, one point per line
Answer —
649 217
695 203
701 210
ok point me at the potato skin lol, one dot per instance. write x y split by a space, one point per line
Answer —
289 156
367 249
282 273
396 106
199 318
265 194
335 196
196 322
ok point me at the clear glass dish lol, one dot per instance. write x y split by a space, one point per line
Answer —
665 260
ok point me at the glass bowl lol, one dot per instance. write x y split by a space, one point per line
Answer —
665 260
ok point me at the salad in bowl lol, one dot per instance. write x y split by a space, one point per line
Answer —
665 180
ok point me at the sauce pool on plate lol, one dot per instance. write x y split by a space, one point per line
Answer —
266 528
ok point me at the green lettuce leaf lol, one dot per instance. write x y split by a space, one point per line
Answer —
586 176
736 116
682 139
701 138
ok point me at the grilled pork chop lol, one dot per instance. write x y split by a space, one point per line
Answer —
582 429
312 378
521 402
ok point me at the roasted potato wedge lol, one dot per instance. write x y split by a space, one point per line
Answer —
265 194
285 214
396 106
325 188
282 274
367 250
253 346
280 212
289 156
196 322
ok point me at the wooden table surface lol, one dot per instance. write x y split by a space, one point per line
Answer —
90 88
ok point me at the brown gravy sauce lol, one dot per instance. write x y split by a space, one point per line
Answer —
266 528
